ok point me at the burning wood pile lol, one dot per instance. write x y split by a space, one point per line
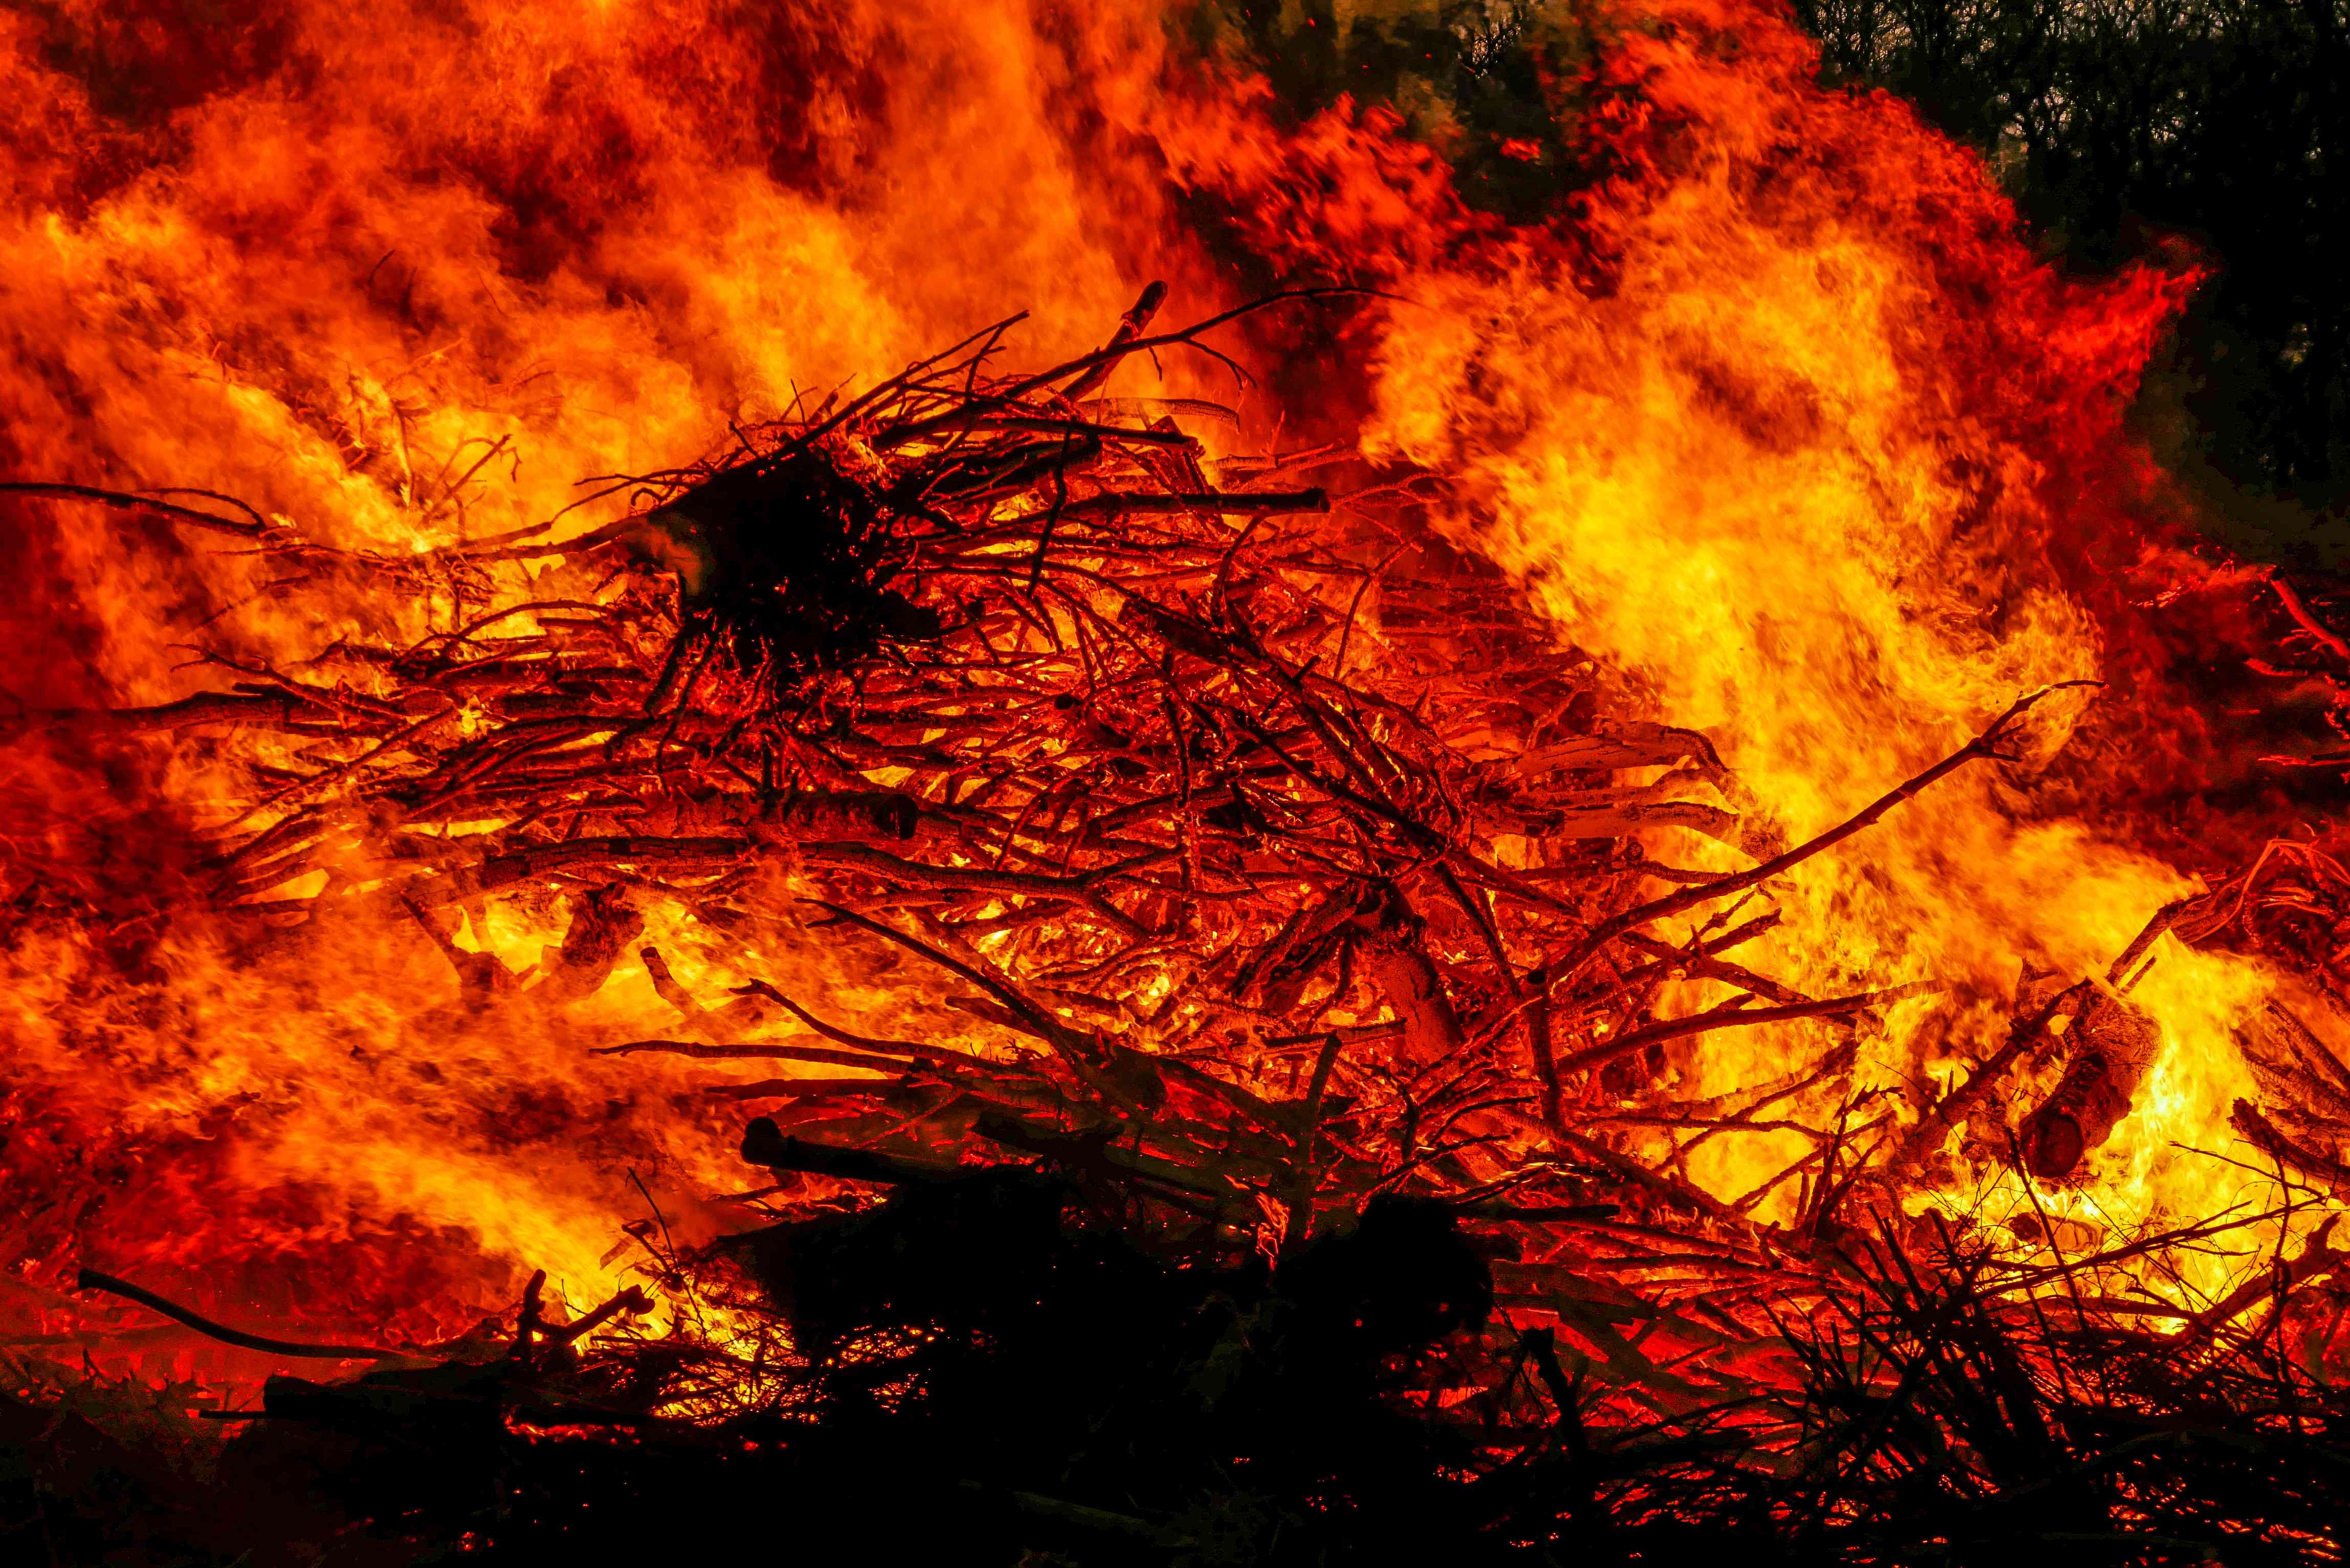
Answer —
1580 963
1254 881
1219 870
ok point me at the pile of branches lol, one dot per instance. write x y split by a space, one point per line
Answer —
985 1372
1244 850
1244 855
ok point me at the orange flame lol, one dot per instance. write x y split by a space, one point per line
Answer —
1815 447
1781 418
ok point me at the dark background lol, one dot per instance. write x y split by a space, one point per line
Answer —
2120 125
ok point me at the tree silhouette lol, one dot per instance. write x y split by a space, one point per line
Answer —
2123 126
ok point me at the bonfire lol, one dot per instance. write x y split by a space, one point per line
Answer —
1012 899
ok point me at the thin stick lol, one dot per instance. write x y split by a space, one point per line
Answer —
91 1280
1983 745
1737 1017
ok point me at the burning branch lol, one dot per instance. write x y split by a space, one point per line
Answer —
1234 878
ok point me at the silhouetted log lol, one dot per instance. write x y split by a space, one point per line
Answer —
763 1143
1093 1159
892 1090
632 1300
1130 326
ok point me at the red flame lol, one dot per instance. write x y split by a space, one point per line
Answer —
1775 412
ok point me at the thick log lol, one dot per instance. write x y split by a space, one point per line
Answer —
763 1143
2114 1044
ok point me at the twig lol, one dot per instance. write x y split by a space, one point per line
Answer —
91 1280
